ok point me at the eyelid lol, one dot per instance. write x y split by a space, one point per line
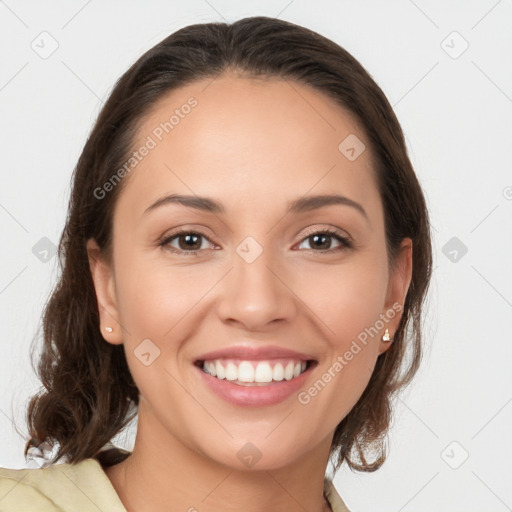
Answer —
326 228
185 229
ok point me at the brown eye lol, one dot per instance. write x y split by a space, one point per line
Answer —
188 242
322 241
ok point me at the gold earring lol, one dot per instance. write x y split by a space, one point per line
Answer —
386 336
108 329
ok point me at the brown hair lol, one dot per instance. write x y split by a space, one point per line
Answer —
88 389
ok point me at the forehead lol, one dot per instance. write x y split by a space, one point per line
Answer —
249 140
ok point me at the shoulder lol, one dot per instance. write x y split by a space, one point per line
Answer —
58 488
337 504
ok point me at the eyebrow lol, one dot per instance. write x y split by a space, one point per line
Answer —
302 204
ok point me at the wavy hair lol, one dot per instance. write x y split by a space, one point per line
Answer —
88 395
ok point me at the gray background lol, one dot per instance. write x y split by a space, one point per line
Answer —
450 444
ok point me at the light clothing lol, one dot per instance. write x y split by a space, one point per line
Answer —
81 487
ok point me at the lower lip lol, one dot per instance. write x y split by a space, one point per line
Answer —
254 396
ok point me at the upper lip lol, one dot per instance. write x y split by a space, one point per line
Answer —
249 353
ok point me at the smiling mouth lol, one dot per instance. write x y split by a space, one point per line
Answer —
255 373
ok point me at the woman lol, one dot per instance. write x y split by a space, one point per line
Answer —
244 264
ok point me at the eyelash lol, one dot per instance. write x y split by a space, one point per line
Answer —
345 242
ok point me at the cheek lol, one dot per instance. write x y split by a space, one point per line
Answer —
153 302
153 297
347 299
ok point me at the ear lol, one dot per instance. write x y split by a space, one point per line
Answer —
398 285
104 285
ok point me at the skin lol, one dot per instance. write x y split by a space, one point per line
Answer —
254 145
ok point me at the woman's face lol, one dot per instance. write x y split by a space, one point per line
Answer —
252 289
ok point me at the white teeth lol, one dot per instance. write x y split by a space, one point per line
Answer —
211 368
288 371
263 373
278 372
249 372
231 372
245 372
219 371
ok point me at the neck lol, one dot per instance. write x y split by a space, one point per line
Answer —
163 474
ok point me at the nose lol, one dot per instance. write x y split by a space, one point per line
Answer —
256 294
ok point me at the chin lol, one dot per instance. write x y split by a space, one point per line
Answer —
255 454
